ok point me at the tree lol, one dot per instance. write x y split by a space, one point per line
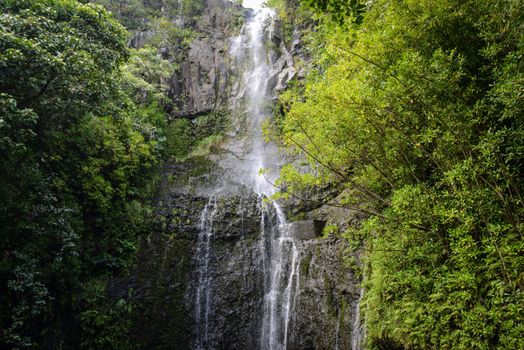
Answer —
416 116
338 10
77 154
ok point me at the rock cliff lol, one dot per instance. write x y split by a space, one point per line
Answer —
201 84
201 194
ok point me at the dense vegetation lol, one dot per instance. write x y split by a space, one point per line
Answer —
82 131
145 14
415 112
85 124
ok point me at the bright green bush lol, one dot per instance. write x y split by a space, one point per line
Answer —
417 115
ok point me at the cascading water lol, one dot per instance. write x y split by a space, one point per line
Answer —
250 153
289 298
202 295
278 250
233 273
282 283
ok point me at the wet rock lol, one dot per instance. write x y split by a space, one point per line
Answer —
169 274
306 229
326 299
284 77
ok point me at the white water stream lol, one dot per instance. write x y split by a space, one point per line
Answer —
203 291
279 251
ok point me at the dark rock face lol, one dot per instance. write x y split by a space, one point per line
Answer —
169 274
326 299
202 82
237 281
306 229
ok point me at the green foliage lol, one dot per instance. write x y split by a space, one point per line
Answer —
167 34
293 18
160 24
329 230
131 13
185 138
139 14
105 322
417 115
204 146
338 10
145 76
179 138
80 137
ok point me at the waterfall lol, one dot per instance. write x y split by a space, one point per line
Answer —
289 299
239 274
272 273
279 252
202 295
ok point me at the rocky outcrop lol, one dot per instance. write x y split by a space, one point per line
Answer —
282 61
326 299
201 83
206 79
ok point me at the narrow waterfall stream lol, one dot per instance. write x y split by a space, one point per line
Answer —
202 295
